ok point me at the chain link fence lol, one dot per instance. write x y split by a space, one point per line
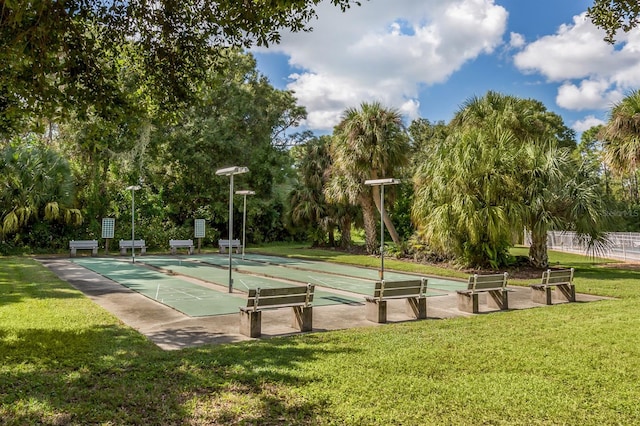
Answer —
621 245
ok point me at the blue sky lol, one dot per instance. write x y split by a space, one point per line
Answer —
427 57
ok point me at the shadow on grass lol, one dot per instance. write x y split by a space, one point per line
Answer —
111 374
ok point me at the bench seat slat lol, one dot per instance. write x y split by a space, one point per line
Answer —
392 293
280 297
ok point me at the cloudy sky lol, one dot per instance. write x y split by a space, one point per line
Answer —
427 57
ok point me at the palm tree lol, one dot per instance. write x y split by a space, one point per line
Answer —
464 204
369 143
38 183
504 167
622 134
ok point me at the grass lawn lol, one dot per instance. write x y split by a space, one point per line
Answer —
64 360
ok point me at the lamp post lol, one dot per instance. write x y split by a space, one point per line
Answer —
133 189
244 192
382 183
231 171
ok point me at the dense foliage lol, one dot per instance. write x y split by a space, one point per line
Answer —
61 54
615 15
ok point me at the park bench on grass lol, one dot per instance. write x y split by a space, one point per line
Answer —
299 298
75 245
138 244
561 280
224 245
412 290
174 245
496 287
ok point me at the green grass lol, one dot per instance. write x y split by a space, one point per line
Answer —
64 360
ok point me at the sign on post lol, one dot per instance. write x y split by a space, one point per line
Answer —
199 231
108 229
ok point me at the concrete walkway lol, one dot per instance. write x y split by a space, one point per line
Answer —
171 330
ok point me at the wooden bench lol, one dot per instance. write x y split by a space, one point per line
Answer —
75 245
174 245
495 285
412 290
561 280
138 244
224 245
299 298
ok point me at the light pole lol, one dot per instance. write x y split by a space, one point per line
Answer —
133 189
381 183
231 171
244 192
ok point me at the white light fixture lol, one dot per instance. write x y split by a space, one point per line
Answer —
231 171
382 183
133 189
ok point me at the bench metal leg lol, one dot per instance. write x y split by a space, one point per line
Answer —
302 318
376 310
498 300
541 294
73 253
251 323
468 302
566 292
417 307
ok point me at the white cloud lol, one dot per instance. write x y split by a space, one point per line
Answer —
586 123
516 40
589 94
592 73
385 51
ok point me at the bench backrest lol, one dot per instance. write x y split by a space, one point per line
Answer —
180 243
400 289
280 297
557 276
83 244
488 282
225 243
136 243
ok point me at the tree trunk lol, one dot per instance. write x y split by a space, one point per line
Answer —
345 232
538 256
368 215
387 220
332 237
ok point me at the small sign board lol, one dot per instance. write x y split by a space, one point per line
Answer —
108 227
199 228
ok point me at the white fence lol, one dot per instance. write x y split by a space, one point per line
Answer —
621 245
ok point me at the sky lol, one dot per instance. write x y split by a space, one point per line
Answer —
426 58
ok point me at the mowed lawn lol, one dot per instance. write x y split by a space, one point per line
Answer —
65 360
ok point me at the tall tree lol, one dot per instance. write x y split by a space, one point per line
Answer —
309 207
58 53
368 143
234 122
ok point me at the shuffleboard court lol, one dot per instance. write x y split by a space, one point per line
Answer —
331 273
188 298
242 281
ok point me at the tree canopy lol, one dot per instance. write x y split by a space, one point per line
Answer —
615 15
58 54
